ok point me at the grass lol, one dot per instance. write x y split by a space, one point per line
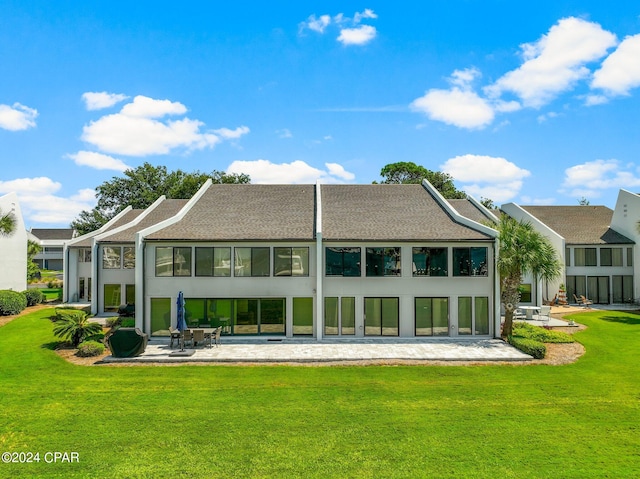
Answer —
543 335
573 421
52 294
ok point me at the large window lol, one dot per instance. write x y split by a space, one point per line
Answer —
610 256
160 316
470 261
340 316
111 257
429 261
622 289
342 261
252 262
112 297
173 261
482 315
213 261
383 262
381 316
303 316
290 261
432 316
129 257
585 257
84 255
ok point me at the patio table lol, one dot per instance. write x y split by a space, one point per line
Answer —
528 310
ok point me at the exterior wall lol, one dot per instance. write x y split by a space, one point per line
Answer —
74 271
112 276
405 287
408 287
540 290
600 271
625 221
51 255
13 248
225 287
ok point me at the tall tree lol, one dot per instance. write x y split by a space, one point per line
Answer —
33 249
583 201
523 250
8 223
140 187
406 172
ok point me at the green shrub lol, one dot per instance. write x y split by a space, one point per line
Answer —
128 322
543 335
114 321
12 302
76 328
529 346
34 296
65 313
90 348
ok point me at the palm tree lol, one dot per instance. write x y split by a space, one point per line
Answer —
76 327
522 250
7 224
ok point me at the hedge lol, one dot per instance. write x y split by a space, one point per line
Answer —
529 346
12 302
34 296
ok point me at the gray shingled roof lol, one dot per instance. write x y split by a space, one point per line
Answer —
388 212
247 212
469 210
126 218
579 224
164 210
53 233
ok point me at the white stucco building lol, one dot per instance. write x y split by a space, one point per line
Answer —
13 247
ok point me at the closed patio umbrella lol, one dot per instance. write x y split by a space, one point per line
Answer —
182 324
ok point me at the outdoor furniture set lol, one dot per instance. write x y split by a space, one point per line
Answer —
196 336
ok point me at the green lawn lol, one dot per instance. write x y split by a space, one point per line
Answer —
575 421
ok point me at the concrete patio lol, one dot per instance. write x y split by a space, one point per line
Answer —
300 351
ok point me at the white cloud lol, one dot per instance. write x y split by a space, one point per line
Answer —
284 133
461 108
316 24
145 107
296 172
620 71
556 62
98 161
229 134
588 179
464 78
40 204
140 130
529 200
591 100
486 176
338 171
357 36
17 117
103 99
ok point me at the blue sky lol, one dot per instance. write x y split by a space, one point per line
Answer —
536 102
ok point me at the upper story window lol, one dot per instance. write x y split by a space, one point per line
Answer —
129 257
342 261
111 257
84 255
383 261
53 249
213 261
629 256
429 261
585 257
173 261
610 256
252 261
290 261
470 261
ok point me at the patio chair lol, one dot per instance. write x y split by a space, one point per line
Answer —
577 300
519 314
175 336
586 302
198 337
545 312
188 336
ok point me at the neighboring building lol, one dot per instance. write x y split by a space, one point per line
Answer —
13 247
597 257
52 241
297 260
